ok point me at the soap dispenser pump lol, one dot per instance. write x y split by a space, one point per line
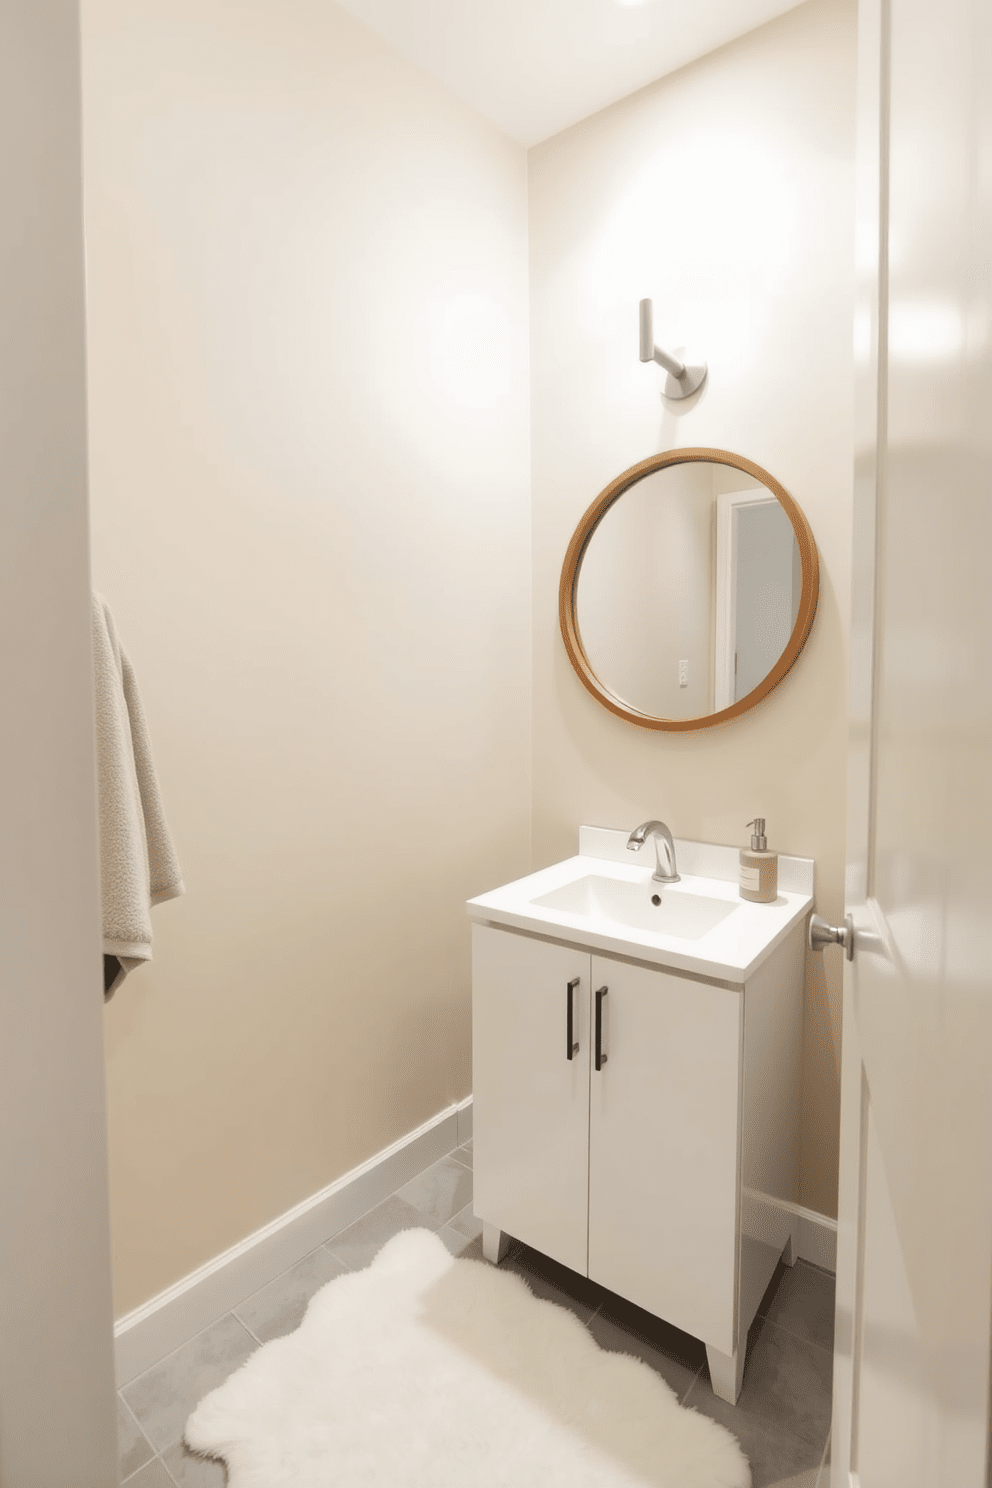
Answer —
759 867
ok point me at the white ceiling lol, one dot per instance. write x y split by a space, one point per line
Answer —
535 66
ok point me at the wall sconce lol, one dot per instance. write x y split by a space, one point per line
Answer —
681 380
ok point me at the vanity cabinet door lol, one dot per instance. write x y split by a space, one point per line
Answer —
530 1101
663 1147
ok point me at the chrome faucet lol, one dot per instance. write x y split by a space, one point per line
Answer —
662 840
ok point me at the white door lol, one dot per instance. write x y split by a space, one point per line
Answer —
911 1370
58 1407
663 1147
530 1091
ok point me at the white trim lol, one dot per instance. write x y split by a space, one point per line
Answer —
170 1319
815 1234
817 1239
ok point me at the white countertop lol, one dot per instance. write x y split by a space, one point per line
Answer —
731 951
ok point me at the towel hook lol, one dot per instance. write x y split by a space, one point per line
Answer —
681 380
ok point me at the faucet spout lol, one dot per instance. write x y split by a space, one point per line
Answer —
665 869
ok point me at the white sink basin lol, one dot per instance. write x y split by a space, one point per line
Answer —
604 899
665 909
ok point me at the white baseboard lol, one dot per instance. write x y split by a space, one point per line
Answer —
163 1324
167 1321
814 1235
817 1239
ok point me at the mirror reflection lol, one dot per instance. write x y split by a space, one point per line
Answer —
688 590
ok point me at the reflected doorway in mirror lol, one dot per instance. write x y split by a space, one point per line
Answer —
759 580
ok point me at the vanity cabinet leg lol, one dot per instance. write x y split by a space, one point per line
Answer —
726 1372
495 1242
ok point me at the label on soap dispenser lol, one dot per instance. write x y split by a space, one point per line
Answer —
750 878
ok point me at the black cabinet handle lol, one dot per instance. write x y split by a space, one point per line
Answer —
570 1048
600 1056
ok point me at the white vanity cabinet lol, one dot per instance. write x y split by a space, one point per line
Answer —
665 1174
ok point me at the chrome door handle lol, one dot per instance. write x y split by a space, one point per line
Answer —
821 935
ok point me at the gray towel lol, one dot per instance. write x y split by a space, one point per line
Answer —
138 865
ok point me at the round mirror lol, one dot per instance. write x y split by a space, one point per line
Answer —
688 589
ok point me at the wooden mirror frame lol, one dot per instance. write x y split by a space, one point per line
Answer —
568 620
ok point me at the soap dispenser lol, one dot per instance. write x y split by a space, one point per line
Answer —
759 867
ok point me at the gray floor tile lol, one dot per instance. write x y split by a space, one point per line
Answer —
554 1282
279 1307
788 1382
781 1420
153 1475
619 1341
132 1447
774 1455
624 1328
440 1190
467 1246
823 1481
164 1396
466 1223
189 1471
360 1243
803 1303
786 1394
807 1479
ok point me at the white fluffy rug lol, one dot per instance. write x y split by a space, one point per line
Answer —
427 1372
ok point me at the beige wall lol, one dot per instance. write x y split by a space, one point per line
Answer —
307 278
725 193
307 300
